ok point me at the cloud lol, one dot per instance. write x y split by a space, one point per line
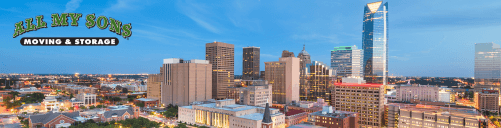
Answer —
399 58
72 5
198 13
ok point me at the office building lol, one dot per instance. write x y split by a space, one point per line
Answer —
487 100
227 114
429 116
304 59
250 63
347 61
375 42
50 103
446 95
319 81
186 81
261 76
258 93
87 98
222 57
365 99
487 66
154 86
419 92
283 75
334 119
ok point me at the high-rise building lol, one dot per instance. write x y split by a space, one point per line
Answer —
487 66
250 63
154 86
222 57
375 42
304 59
319 80
186 81
347 61
283 75
366 99
286 53
487 100
261 76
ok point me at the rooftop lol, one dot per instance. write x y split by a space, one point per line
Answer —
146 99
358 85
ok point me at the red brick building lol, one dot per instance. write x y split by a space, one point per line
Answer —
334 119
147 102
53 119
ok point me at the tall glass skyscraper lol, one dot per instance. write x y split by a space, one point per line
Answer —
375 42
487 66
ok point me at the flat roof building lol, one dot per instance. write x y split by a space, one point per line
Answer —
334 119
227 114
283 75
222 57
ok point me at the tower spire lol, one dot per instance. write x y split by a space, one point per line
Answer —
303 47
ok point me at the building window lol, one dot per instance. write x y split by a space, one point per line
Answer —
61 121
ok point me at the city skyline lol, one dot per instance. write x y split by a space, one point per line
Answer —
446 28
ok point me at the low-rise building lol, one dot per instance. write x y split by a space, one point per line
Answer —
118 113
487 100
148 102
409 115
53 120
87 98
225 113
418 92
334 119
258 93
50 103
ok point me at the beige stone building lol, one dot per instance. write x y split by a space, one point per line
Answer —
257 94
366 99
283 75
154 86
222 57
487 100
227 114
428 116
417 92
185 81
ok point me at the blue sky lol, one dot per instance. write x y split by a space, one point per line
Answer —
426 38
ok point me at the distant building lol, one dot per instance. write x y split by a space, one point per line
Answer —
487 100
319 80
334 119
250 63
408 116
227 114
446 95
87 98
286 53
186 81
118 113
221 56
256 94
53 120
283 75
154 86
487 66
366 99
420 92
261 76
148 102
347 61
294 116
50 103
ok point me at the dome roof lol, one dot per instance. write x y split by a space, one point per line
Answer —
303 52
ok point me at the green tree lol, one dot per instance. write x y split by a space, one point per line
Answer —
14 94
83 107
92 107
71 108
181 125
140 104
8 86
71 95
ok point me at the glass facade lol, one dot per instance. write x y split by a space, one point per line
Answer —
487 65
347 61
320 79
375 42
